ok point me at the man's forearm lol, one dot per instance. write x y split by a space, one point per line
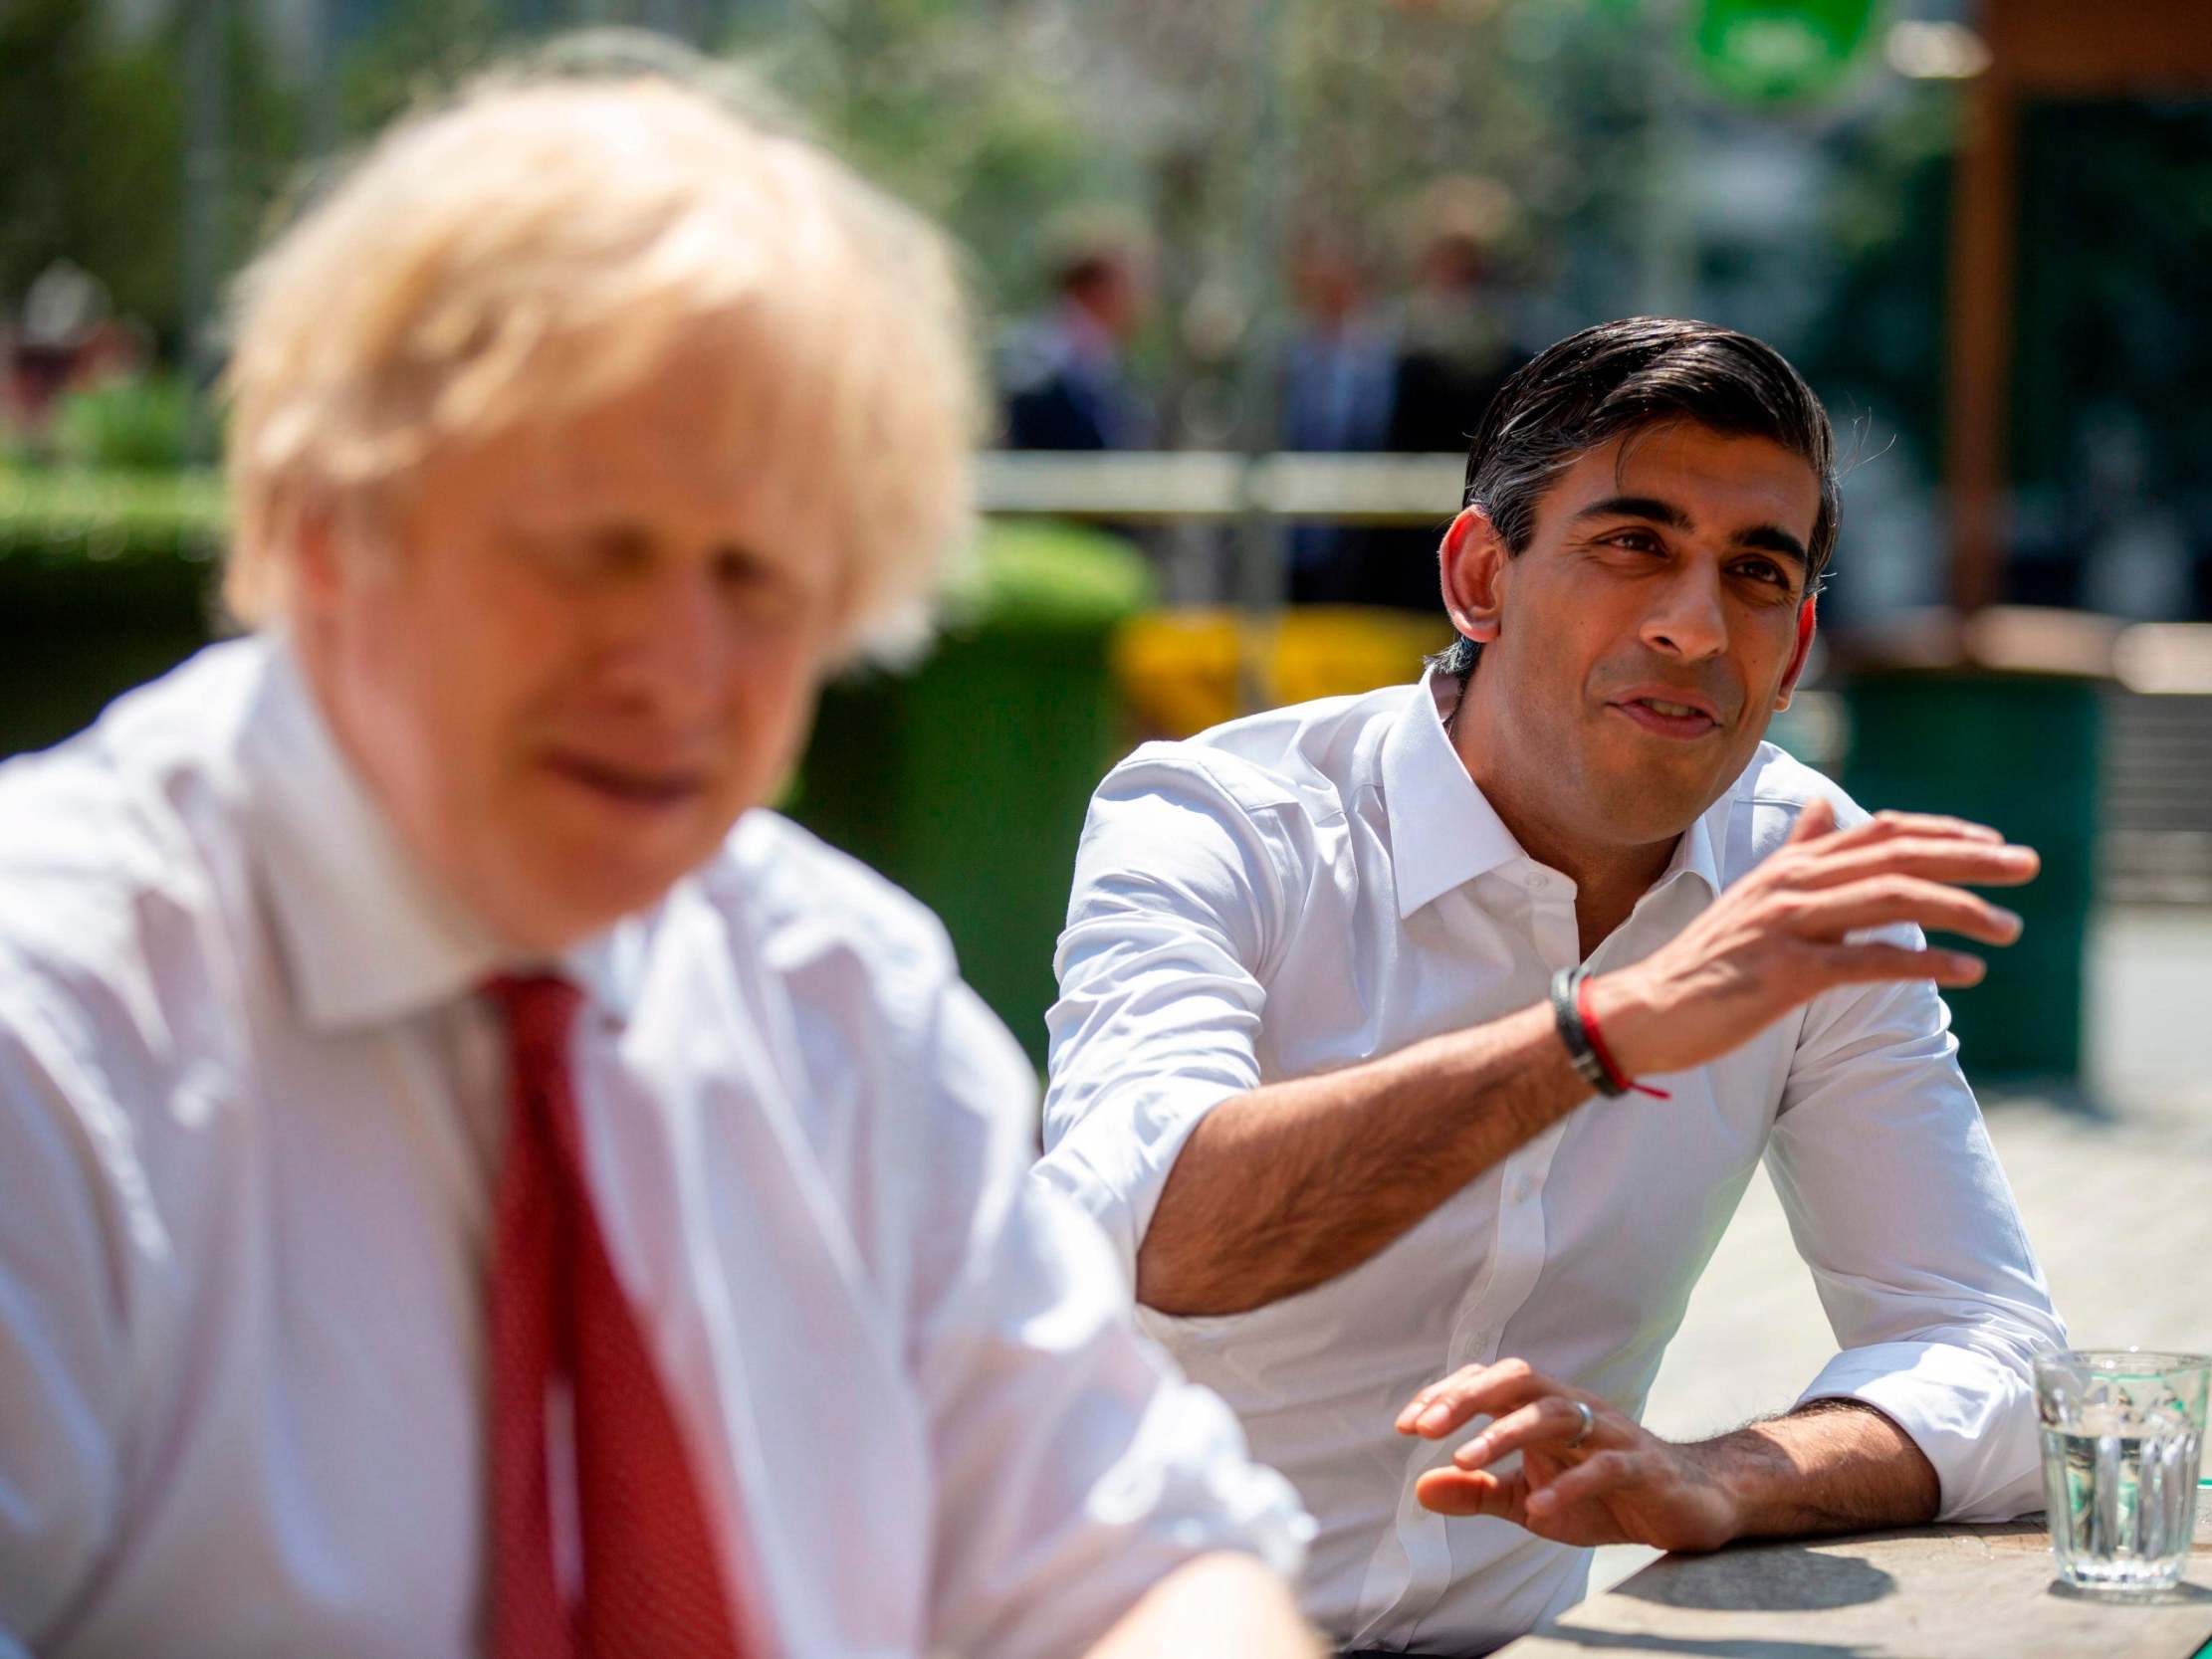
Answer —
1292 1184
1835 1466
1225 1604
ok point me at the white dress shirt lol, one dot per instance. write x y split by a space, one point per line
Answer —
1325 884
249 1122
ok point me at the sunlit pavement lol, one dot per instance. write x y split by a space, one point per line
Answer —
2119 1204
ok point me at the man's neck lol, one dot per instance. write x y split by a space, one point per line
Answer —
1609 876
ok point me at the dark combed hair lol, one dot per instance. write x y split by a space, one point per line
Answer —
1625 377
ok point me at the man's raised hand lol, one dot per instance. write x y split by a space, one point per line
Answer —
1784 934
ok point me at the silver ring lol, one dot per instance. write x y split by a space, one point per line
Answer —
1589 1422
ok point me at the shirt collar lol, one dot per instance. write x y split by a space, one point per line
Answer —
367 935
1697 853
1443 831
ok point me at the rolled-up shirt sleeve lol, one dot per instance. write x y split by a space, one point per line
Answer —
1899 1207
1178 891
1076 1466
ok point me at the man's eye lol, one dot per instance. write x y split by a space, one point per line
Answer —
1760 569
756 584
1638 542
737 569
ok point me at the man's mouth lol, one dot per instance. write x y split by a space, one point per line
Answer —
639 788
1668 716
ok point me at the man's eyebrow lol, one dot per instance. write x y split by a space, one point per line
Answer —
1773 538
1766 538
1638 507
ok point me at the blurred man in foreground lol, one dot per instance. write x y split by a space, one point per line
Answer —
461 1194
1340 983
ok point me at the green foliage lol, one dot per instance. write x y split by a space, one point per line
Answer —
939 101
69 518
93 145
418 50
139 424
1388 99
996 116
89 139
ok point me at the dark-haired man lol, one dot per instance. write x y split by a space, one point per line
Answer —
1435 1033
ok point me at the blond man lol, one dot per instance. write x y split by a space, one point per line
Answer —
474 1182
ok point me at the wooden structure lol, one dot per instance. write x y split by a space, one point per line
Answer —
2039 49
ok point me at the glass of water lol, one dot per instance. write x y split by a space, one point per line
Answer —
2121 1434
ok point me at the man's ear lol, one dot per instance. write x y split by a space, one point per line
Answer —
312 530
1473 565
1805 628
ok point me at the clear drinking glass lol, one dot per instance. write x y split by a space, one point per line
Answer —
2122 1436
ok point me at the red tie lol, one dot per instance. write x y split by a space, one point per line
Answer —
652 1585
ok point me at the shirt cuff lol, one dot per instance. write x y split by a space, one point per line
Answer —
1115 1160
1973 1415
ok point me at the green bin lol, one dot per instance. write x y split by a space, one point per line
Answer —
2018 752
964 779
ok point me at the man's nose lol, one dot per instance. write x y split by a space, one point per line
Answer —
1689 620
676 644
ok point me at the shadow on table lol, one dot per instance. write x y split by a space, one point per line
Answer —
1770 1581
1706 1647
2177 1595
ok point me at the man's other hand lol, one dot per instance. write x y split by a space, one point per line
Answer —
1787 933
1829 1465
1614 1484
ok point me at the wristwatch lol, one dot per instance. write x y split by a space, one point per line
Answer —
1581 1051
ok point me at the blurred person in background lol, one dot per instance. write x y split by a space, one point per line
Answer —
475 1181
1456 342
1456 345
1339 380
1364 1005
68 339
1065 383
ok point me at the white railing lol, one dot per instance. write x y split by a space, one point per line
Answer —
1215 487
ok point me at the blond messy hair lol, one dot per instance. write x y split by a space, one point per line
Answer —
543 243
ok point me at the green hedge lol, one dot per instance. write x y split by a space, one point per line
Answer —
105 581
61 513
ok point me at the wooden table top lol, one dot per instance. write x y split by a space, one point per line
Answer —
1933 1592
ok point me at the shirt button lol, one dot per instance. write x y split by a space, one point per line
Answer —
1535 881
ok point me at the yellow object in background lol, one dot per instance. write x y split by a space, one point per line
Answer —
1176 669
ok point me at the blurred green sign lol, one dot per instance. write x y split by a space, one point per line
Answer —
1764 50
